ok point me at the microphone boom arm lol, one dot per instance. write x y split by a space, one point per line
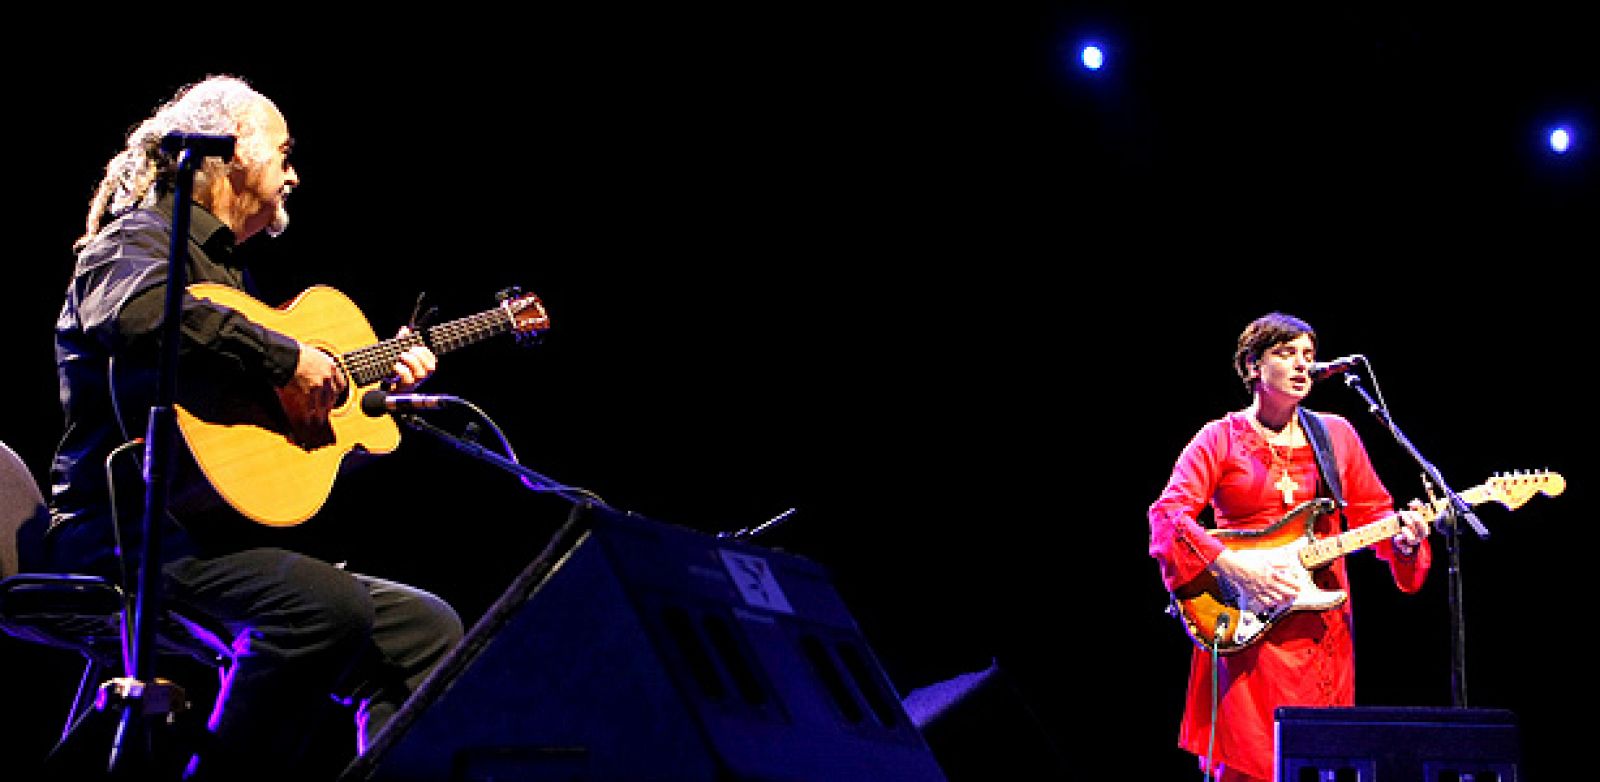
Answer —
1457 506
531 479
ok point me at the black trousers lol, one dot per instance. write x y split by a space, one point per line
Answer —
304 632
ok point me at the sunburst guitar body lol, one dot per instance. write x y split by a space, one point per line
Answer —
1220 618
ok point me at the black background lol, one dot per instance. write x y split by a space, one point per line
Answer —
906 270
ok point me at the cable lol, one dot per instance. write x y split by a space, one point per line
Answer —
511 455
116 536
1216 674
1376 390
470 445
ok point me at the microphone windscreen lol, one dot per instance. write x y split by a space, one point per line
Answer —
372 402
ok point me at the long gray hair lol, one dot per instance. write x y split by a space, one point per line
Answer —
139 174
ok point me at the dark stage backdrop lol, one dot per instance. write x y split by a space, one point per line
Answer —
904 272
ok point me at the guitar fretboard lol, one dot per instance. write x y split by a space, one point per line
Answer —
1321 552
373 363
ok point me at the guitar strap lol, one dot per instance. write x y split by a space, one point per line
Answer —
1327 467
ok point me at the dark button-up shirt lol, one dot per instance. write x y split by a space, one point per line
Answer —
107 345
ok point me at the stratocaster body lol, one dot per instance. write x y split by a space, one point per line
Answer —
1216 614
1219 617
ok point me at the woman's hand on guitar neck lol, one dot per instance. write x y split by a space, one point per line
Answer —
1414 526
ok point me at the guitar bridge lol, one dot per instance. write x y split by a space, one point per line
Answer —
1250 626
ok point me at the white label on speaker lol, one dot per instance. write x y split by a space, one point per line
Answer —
753 577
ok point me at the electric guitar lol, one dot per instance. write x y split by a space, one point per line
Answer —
239 435
1219 618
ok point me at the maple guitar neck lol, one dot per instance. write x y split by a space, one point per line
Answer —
1324 550
1221 617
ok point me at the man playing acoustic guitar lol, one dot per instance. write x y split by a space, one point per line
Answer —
1258 472
301 629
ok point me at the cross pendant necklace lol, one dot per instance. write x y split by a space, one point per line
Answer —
1287 485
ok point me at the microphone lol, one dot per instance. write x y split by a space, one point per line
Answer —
377 402
199 143
1324 369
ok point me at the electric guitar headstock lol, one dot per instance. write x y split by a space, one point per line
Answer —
1517 488
1509 489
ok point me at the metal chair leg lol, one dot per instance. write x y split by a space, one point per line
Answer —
83 701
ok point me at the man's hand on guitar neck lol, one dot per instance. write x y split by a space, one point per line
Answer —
1258 577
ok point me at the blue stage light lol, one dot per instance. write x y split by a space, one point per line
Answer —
1092 57
1560 139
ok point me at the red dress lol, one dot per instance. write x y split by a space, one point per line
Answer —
1306 658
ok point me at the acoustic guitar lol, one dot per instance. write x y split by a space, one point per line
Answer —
240 437
1218 617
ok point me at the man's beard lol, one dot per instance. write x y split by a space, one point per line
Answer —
280 221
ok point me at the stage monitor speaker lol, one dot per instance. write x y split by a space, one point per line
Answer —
647 651
1376 744
981 728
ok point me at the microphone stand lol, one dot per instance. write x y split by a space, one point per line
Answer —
531 479
138 693
565 540
1449 526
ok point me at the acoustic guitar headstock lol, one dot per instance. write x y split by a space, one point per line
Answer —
529 320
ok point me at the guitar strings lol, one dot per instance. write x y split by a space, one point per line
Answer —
372 363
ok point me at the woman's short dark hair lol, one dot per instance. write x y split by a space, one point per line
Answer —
1263 334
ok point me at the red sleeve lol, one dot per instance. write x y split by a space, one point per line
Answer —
1178 542
1369 501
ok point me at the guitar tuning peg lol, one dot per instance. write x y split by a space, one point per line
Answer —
506 294
421 317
